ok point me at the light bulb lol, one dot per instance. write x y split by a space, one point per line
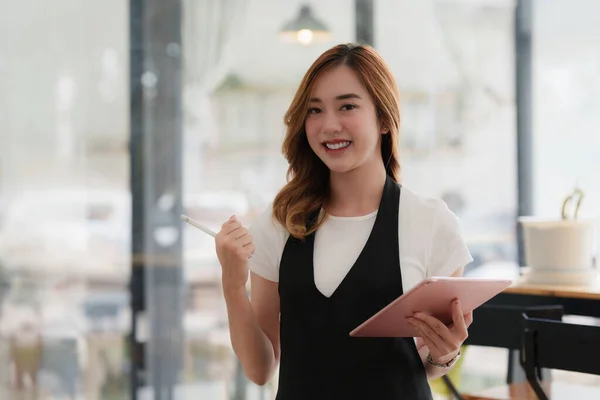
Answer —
305 36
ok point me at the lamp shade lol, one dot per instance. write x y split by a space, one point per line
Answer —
305 28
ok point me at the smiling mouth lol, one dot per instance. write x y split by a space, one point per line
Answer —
337 145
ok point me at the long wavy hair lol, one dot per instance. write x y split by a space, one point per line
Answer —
298 205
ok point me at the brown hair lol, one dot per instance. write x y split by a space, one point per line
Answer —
307 190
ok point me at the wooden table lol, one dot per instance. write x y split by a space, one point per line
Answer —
577 300
522 287
523 391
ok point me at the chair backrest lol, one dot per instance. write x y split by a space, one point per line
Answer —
559 345
501 326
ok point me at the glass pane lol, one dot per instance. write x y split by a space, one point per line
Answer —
64 199
566 103
454 64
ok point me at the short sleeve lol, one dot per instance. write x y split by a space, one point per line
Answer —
448 251
269 241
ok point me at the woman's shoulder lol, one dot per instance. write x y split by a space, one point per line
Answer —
265 224
432 233
427 219
420 207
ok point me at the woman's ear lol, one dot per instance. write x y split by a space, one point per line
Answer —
382 128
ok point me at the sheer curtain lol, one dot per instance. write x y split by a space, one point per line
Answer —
210 29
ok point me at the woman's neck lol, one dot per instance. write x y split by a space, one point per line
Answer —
357 192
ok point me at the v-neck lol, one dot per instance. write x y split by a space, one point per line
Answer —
376 226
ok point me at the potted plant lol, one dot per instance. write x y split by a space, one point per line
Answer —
561 251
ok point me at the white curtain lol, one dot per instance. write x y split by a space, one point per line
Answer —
210 28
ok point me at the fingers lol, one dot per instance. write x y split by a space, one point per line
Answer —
457 315
420 343
459 326
443 341
468 319
439 337
236 239
434 332
234 228
244 238
230 226
250 249
430 338
244 252
229 221
434 324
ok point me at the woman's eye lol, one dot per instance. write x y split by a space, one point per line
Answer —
314 110
348 107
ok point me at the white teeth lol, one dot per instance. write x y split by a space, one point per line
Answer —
338 145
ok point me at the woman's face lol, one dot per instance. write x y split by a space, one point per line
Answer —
342 126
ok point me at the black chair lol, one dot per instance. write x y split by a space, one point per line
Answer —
501 326
558 345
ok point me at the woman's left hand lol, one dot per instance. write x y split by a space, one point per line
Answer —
443 341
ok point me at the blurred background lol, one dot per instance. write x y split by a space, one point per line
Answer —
117 116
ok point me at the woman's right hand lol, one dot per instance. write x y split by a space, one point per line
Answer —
234 248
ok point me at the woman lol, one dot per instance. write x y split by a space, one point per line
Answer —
341 240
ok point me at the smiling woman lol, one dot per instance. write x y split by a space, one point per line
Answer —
341 241
348 95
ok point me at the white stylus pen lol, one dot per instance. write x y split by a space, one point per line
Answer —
197 224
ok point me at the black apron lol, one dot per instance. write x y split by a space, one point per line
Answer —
319 360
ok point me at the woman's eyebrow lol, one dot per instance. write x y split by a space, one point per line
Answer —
340 97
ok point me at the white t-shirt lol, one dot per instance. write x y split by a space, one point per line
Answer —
430 241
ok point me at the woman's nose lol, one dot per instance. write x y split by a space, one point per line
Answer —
331 123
